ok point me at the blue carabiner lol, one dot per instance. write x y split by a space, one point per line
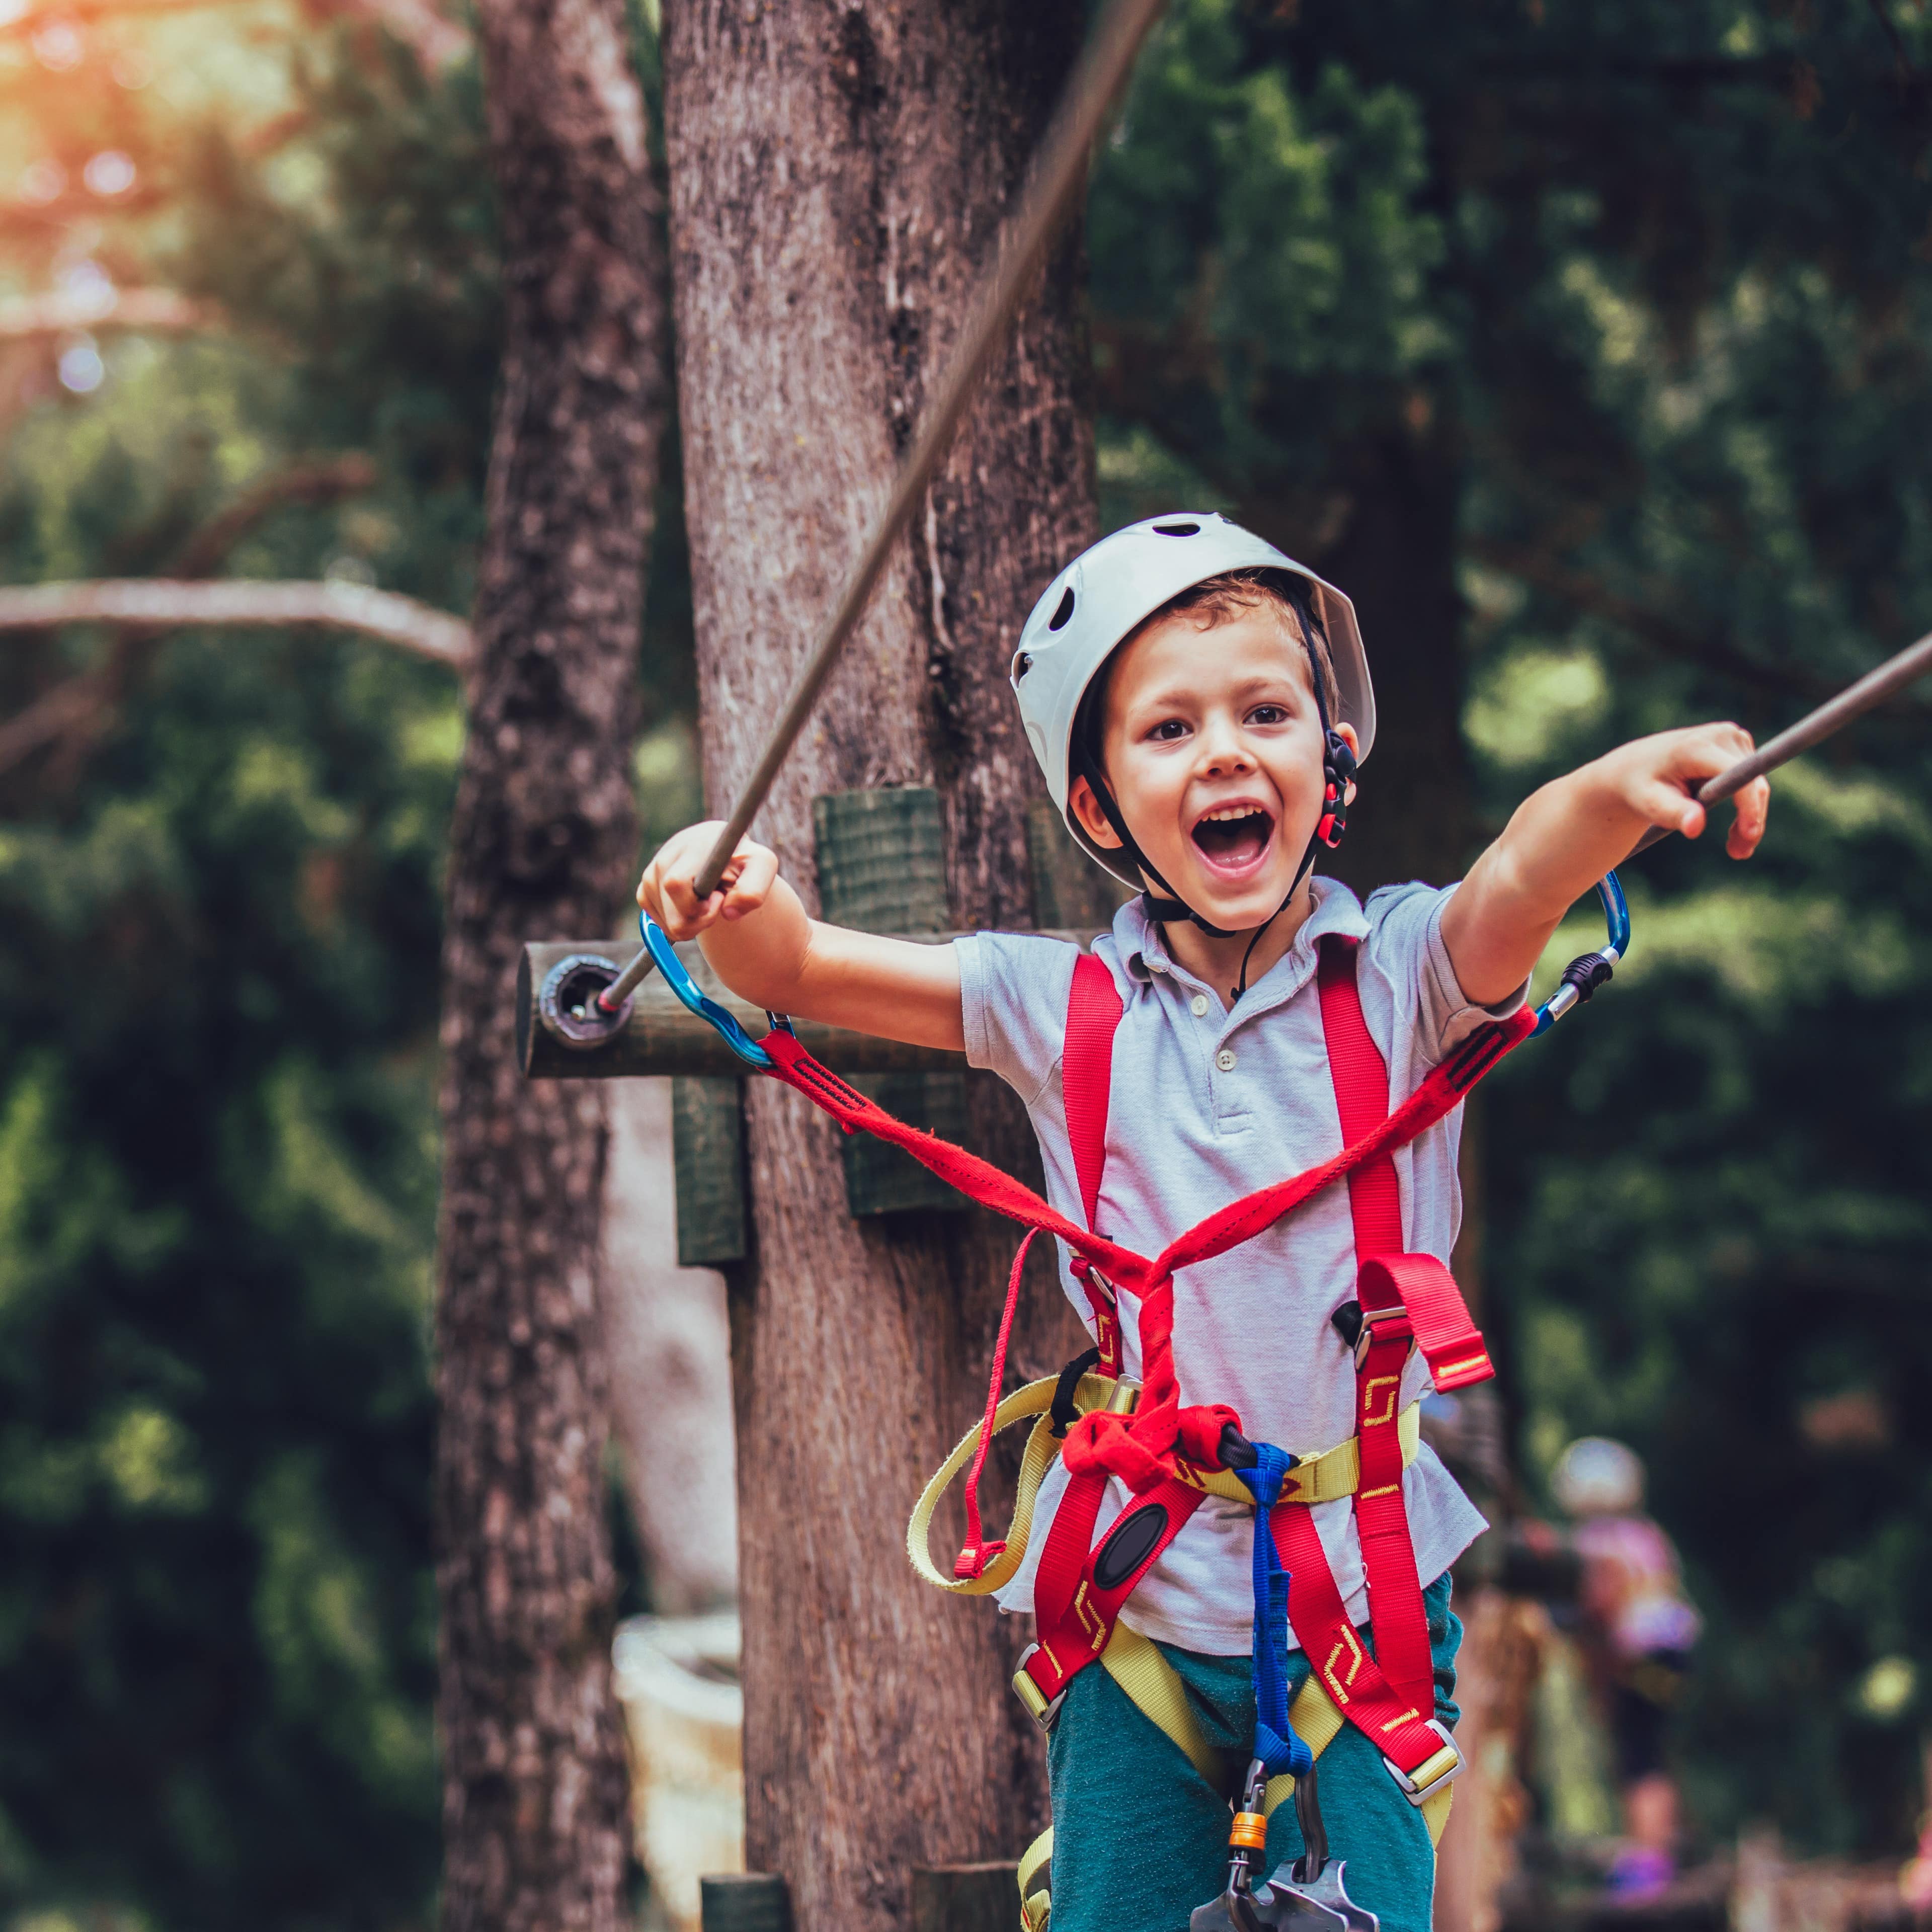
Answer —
687 990
1584 975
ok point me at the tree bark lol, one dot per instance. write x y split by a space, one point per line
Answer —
543 841
838 172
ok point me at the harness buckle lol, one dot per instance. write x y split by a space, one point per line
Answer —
1039 1706
1374 1318
1432 1773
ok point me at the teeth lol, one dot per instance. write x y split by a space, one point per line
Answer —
1233 811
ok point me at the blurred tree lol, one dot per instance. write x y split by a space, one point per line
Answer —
535 1797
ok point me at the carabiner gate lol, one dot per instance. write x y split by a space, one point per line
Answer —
707 1008
1588 970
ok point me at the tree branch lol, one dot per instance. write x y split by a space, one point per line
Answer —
75 711
314 481
241 604
163 310
1646 622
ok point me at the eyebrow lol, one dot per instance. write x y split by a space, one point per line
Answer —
1271 681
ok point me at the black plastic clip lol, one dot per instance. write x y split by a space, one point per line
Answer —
1063 1412
1586 972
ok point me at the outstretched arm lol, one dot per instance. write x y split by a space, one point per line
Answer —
1565 837
761 943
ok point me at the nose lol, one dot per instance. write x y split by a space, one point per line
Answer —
1220 749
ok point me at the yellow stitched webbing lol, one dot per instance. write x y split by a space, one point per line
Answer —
1043 1446
1154 1686
1036 1905
1315 1479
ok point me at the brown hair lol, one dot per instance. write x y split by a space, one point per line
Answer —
1214 601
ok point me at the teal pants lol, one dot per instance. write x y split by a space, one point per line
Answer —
1139 1841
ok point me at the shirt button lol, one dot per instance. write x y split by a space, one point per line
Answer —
1198 1005
1224 1060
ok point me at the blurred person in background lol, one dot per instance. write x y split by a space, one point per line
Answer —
1640 1628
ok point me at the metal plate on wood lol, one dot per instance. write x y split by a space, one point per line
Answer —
744 1902
882 868
1069 888
880 1179
881 860
964 1898
707 1142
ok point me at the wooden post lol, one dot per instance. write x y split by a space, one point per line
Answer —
879 1732
882 868
663 1038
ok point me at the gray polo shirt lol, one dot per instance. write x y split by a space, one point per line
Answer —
1207 1106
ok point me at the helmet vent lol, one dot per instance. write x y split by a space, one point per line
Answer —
1177 529
1022 664
1057 621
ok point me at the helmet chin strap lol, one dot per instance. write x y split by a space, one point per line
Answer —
1338 771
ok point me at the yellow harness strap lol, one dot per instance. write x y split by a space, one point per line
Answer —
1042 1448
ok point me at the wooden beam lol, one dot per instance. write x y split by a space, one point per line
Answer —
663 1038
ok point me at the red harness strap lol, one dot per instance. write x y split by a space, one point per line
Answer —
1390 1696
1087 1082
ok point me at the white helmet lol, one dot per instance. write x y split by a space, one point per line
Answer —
1597 1477
1124 578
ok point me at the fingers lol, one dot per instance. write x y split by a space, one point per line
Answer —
1669 805
1719 747
1753 809
668 890
757 871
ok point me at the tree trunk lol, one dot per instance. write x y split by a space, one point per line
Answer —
838 174
534 1791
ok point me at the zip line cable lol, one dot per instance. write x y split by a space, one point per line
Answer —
1058 174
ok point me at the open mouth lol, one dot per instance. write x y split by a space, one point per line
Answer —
1233 837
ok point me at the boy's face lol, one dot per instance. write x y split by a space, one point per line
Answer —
1213 751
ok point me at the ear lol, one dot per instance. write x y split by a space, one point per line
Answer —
1348 735
1086 807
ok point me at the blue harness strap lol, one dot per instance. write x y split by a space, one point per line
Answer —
1275 1743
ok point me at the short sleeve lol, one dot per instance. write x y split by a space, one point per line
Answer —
1405 945
1013 989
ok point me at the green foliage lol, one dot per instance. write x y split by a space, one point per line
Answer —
217 1022
219 940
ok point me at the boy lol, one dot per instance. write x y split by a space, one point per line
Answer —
1199 702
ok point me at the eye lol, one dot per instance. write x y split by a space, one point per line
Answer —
1168 730
1269 714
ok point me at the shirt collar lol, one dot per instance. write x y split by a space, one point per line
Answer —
1144 946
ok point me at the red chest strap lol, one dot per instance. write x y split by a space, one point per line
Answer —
1087 1080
